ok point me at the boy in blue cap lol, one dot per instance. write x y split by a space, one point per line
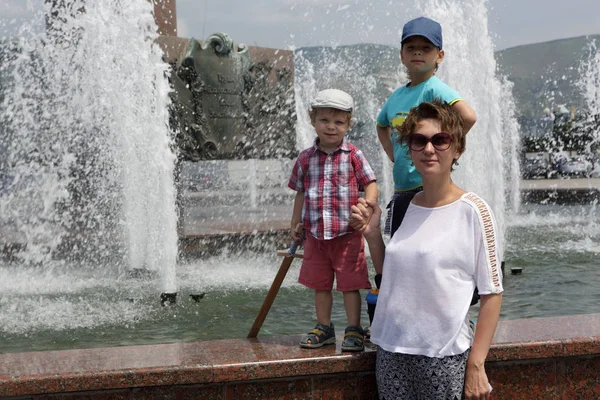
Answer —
421 53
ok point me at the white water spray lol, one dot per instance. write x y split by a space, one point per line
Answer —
490 165
85 117
589 81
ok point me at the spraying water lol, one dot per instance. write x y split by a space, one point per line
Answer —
589 84
490 165
366 79
590 78
85 121
84 114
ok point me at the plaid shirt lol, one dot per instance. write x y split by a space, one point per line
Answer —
330 183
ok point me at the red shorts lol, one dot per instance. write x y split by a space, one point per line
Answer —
343 256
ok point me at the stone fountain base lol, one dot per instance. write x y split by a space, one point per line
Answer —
538 358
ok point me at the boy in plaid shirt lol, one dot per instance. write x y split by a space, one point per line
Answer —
328 177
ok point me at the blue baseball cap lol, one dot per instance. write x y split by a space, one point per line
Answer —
425 27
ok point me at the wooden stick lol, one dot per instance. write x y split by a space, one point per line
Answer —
289 256
285 253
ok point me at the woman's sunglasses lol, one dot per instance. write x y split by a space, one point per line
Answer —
441 141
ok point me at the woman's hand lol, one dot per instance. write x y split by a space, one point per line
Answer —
477 386
476 382
365 216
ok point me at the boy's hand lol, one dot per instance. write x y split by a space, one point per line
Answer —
358 215
296 232
365 216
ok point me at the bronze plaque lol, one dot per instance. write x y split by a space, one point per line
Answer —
223 70
227 106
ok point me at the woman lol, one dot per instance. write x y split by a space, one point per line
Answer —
446 246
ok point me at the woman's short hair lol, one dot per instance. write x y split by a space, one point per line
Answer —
450 121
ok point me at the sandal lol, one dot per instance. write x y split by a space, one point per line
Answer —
318 337
354 338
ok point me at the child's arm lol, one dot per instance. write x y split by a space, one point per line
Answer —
467 113
297 215
370 230
371 194
385 138
371 191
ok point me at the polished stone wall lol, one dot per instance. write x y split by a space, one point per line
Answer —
165 14
538 358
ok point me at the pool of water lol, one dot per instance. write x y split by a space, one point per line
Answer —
557 247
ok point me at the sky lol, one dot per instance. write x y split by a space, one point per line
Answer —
299 23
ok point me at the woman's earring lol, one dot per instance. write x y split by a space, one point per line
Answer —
455 161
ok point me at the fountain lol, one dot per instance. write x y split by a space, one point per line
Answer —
589 83
93 196
88 221
85 118
494 140
88 190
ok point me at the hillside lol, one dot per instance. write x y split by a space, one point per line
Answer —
545 74
349 66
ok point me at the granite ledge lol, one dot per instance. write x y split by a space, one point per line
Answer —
540 349
101 380
562 336
222 361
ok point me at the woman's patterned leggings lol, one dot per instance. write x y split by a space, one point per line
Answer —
414 377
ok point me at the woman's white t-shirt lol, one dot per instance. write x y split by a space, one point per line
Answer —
432 264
